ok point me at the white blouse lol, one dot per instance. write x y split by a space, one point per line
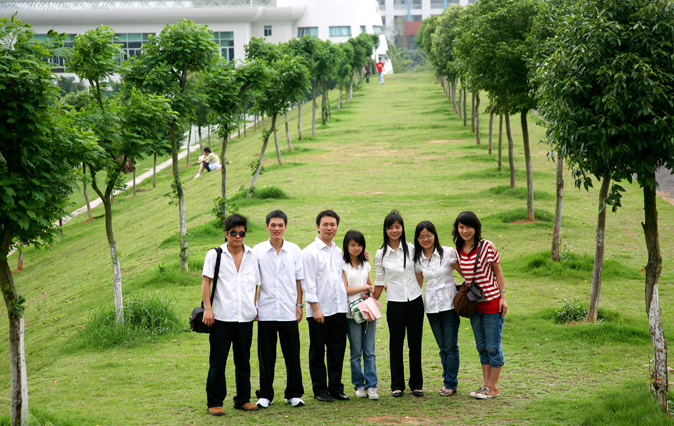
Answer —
401 282
440 288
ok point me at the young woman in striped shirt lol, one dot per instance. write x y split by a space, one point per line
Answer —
487 322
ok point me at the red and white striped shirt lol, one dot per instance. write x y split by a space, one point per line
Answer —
484 276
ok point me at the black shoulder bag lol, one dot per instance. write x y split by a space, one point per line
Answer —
197 317
468 294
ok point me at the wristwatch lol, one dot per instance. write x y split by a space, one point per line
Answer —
300 305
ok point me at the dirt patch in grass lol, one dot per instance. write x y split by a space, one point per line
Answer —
444 141
366 193
406 420
525 221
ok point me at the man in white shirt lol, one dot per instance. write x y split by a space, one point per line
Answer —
279 309
325 295
231 315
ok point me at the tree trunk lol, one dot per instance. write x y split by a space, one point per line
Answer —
154 171
255 122
134 181
209 137
350 94
527 163
511 155
472 112
598 253
453 93
201 142
181 199
460 103
339 102
313 110
238 130
17 353
476 114
245 127
491 132
86 196
61 226
557 229
299 121
278 149
19 265
264 147
465 112
223 180
324 100
653 270
500 143
189 139
290 145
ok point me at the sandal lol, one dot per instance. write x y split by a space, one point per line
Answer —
418 393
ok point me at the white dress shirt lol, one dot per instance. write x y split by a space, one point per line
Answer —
440 288
401 282
322 281
279 273
234 299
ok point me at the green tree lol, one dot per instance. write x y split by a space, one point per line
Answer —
40 151
494 47
127 125
287 80
442 48
606 93
164 68
227 88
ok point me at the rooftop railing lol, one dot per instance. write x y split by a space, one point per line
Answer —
130 4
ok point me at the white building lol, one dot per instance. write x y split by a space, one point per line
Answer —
412 12
233 22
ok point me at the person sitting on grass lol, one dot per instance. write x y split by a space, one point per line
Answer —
209 162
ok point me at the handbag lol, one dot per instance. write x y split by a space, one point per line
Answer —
354 311
468 295
197 317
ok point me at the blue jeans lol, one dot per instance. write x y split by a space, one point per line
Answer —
487 329
381 77
361 341
445 326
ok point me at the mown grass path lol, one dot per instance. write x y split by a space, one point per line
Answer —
393 146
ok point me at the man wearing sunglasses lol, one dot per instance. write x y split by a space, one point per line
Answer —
231 315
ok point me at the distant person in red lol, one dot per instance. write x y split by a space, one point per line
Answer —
380 71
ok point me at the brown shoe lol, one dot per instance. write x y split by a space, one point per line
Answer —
216 411
247 407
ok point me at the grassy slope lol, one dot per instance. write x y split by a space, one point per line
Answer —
393 146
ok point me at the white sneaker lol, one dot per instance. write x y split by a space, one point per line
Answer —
372 394
264 403
360 393
295 402
479 390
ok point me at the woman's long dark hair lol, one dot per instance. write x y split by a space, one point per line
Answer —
466 218
359 238
418 250
389 220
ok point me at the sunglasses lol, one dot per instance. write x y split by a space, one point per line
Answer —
237 233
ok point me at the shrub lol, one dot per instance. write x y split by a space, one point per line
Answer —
145 317
571 311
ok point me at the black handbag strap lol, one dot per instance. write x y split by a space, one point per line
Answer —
477 259
218 250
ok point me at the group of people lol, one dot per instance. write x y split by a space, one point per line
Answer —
379 65
268 283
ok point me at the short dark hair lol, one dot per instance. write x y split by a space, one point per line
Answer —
418 250
329 213
234 220
467 218
359 238
207 149
277 213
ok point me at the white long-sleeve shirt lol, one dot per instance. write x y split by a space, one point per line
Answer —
439 285
322 281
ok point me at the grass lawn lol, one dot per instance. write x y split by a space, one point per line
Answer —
393 146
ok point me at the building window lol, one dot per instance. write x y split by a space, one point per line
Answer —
310 31
267 30
362 29
340 31
416 4
131 44
415 18
225 39
58 63
377 29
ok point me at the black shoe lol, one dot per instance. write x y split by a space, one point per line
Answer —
340 396
323 398
418 392
397 393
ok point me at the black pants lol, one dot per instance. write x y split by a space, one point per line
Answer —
289 336
239 335
401 317
330 335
